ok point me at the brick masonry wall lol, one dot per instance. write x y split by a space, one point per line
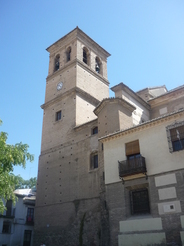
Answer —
68 191
118 203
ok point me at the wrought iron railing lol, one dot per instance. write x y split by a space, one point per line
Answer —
133 166
29 220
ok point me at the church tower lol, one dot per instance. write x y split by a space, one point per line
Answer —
76 83
69 173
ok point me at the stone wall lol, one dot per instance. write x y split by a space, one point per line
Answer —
166 206
82 228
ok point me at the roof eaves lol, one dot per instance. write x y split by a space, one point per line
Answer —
167 93
113 99
151 88
83 33
85 124
134 94
142 124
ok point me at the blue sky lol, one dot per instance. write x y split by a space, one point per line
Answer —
144 37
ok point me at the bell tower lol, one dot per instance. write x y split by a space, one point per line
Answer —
76 83
69 172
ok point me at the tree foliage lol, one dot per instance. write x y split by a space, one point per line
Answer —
25 184
10 156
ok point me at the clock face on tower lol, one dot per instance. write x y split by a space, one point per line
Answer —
59 86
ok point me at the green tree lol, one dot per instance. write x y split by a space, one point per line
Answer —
25 184
10 156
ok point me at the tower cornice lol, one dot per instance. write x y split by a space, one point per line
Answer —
77 33
77 90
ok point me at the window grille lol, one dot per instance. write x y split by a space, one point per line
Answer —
30 215
139 200
6 227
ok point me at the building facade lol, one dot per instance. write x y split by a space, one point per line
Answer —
144 173
90 141
17 222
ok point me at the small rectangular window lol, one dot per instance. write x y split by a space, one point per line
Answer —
58 115
175 134
84 56
132 148
177 138
103 176
94 161
6 227
9 208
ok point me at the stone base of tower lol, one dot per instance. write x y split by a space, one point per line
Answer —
82 224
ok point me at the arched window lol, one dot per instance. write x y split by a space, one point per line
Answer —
68 54
85 56
97 65
57 63
95 130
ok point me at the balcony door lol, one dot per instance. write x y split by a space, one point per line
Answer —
133 153
27 238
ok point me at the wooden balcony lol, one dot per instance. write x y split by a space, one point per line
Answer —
133 168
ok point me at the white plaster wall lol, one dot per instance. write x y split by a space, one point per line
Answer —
166 179
153 146
143 239
182 237
141 112
145 225
167 193
139 233
169 207
17 229
182 221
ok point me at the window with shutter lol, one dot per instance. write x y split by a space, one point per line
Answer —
132 149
